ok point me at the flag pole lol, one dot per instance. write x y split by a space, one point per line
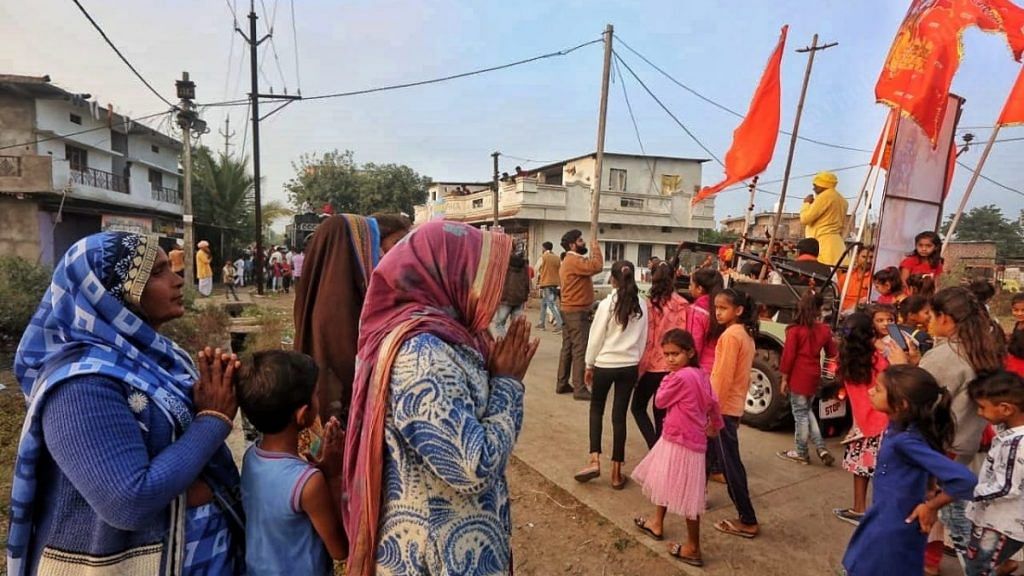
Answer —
812 49
880 149
970 188
869 195
595 195
748 222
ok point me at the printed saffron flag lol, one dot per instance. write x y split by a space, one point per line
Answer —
1013 111
927 49
753 142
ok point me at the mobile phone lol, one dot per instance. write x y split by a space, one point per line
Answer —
897 336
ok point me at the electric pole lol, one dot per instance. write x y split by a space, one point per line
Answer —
810 50
186 93
228 135
595 197
495 155
254 99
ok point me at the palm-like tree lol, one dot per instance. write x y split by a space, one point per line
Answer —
222 197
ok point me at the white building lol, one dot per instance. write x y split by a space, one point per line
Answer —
645 204
70 167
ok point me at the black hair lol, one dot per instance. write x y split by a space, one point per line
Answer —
548 246
748 318
808 246
808 309
273 386
912 305
570 238
663 284
997 387
1015 345
857 349
685 341
710 281
627 302
388 224
983 290
935 259
890 276
921 284
974 329
916 399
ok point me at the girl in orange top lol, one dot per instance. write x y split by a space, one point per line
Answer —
730 378
860 280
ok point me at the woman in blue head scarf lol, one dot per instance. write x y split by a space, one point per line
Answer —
122 466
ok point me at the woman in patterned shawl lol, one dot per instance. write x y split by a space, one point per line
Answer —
122 466
436 410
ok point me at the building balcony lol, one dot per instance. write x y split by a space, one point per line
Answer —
100 179
164 194
26 174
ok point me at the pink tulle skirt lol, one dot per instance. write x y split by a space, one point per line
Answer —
673 476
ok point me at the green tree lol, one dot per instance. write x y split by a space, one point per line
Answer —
988 223
712 236
335 178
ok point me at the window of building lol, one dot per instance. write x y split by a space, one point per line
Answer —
614 251
478 203
634 203
666 229
76 119
617 180
616 226
156 178
155 149
643 254
77 157
670 184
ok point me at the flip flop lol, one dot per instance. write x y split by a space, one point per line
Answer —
677 553
620 485
641 523
728 527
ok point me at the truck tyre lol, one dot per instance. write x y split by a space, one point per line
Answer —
766 408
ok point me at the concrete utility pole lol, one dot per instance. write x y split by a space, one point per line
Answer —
187 92
228 135
810 50
495 155
595 196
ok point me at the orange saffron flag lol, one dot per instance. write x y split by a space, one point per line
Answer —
882 156
753 142
1013 111
927 49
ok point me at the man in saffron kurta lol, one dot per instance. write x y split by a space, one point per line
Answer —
824 215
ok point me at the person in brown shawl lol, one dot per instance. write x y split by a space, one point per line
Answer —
340 256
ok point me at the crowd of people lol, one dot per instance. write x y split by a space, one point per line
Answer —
385 434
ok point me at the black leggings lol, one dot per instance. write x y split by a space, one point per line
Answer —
646 389
623 379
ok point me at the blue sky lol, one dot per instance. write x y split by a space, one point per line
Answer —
545 110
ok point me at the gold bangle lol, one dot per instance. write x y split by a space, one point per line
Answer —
220 416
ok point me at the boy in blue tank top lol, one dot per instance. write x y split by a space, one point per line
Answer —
293 525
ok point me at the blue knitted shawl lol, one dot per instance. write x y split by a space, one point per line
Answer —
85 325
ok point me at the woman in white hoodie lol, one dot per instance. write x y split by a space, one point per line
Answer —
617 339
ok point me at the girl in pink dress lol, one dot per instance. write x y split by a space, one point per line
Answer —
672 474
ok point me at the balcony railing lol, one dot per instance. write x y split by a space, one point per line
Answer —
100 179
162 194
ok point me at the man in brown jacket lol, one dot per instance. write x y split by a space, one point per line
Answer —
548 280
576 274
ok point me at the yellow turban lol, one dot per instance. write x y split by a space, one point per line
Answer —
826 180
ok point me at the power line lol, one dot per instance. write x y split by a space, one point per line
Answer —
800 177
269 25
991 181
636 127
527 160
726 108
231 49
120 55
564 52
86 131
295 49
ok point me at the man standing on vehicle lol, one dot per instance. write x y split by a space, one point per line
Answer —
548 280
824 216
576 274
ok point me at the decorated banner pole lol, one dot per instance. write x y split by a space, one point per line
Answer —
869 196
595 195
811 50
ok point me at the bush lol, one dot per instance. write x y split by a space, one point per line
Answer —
199 328
22 285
